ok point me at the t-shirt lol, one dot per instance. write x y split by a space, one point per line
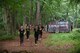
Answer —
36 31
21 31
28 29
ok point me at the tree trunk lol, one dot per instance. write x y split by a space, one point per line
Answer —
25 20
31 12
9 20
38 12
13 23
76 15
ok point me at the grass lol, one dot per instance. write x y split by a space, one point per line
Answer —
71 39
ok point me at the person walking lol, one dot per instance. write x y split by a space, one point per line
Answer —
36 34
21 32
40 31
27 31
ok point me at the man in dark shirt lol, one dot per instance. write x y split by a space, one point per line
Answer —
36 34
28 32
41 31
21 32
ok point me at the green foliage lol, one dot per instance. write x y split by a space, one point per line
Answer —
75 1
78 22
61 39
1 24
50 10
4 36
1 21
7 37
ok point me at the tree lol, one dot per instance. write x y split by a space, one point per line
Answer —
9 8
38 12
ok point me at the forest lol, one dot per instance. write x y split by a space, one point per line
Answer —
14 13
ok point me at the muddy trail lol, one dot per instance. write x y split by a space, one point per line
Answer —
13 46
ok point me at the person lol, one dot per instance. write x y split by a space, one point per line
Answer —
40 31
27 32
21 32
36 34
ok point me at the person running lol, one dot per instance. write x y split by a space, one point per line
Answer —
27 32
41 31
21 32
36 34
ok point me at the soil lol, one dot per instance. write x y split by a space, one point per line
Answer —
13 46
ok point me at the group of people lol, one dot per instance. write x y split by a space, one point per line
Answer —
37 33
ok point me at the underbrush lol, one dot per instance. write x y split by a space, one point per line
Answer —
62 39
4 36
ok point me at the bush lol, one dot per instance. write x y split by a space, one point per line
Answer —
78 22
61 39
5 36
75 34
76 37
78 49
78 30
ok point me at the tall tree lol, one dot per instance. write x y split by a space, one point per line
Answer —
38 12
31 11
10 9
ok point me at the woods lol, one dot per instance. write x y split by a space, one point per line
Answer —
56 23
14 13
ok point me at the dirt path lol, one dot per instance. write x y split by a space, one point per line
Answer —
29 46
